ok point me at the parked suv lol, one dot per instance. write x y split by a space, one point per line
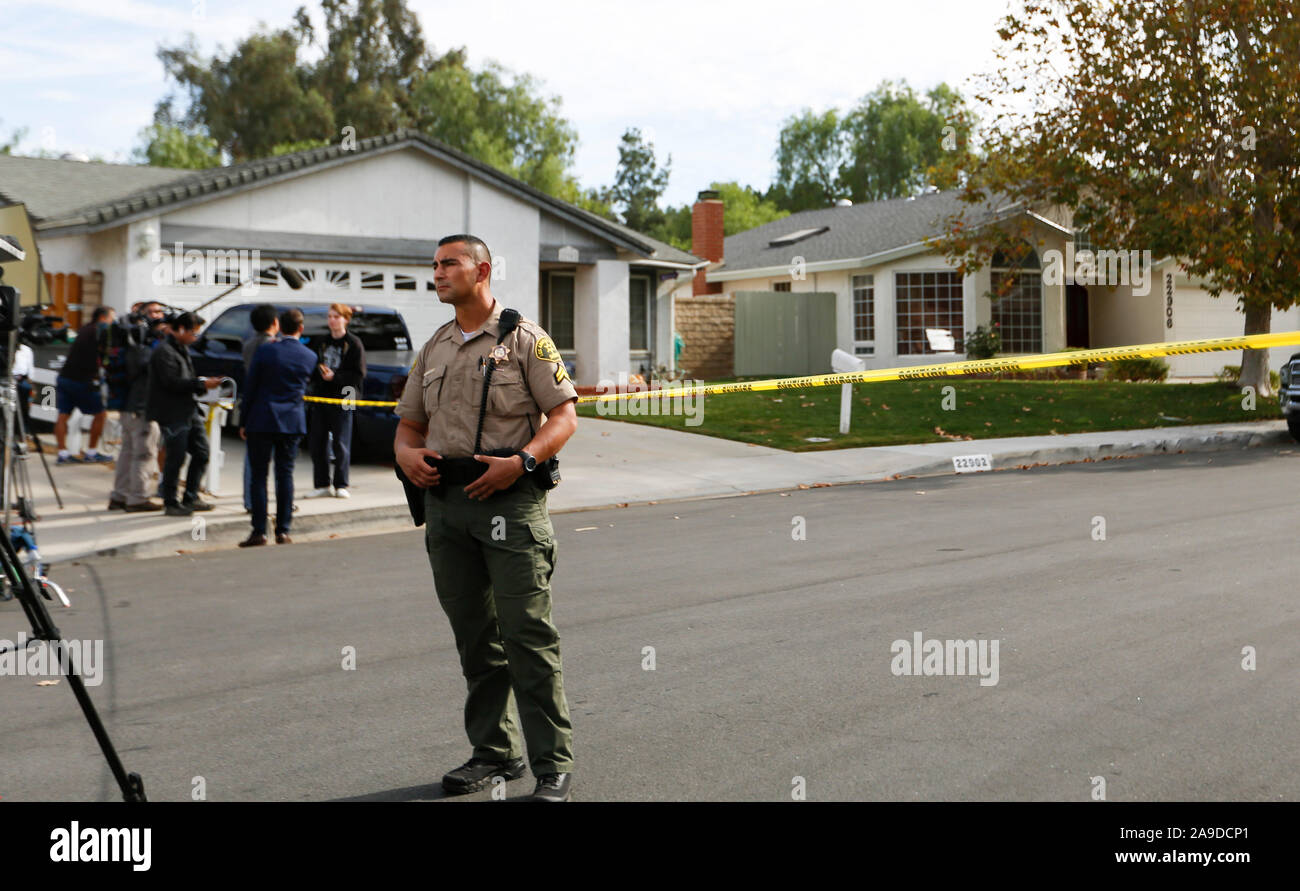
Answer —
383 333
1288 396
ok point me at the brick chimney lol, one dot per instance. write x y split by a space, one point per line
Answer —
706 238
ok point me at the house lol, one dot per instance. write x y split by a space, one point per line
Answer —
360 222
890 286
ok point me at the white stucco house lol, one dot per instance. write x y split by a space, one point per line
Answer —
361 224
891 285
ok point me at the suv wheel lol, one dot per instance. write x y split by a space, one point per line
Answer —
1293 424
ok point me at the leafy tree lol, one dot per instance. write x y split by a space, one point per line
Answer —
897 142
639 183
744 208
7 145
167 144
1168 126
810 152
890 144
499 118
253 100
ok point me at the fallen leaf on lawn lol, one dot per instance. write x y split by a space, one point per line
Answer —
884 406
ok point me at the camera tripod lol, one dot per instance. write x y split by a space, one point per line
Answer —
15 577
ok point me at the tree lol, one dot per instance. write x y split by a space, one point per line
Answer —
1168 126
639 184
897 143
499 118
168 145
892 143
376 74
8 144
810 152
743 208
258 97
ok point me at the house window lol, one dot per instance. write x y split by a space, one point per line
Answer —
926 300
372 281
781 286
638 313
1019 313
403 282
340 278
864 315
559 309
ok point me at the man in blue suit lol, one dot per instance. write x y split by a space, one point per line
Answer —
275 419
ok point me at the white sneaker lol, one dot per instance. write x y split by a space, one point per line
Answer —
342 493
321 493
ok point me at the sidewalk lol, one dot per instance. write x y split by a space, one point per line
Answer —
606 464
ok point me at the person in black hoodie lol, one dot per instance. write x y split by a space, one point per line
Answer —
340 369
173 392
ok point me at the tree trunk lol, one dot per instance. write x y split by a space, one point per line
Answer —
1254 363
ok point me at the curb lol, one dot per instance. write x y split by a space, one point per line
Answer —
228 532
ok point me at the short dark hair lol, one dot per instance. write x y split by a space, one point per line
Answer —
262 317
101 313
190 321
475 246
290 322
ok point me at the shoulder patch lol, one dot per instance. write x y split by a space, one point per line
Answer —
546 350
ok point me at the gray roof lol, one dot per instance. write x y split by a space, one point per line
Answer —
53 188
88 196
861 230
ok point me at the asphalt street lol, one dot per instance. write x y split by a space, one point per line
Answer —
1119 657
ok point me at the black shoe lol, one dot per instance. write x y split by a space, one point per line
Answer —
476 773
117 504
552 787
142 507
283 538
178 510
254 540
199 504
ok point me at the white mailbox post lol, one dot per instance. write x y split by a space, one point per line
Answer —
842 362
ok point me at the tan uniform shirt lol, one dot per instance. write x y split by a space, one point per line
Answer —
444 388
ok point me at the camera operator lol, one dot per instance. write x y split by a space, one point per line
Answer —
172 402
77 386
139 434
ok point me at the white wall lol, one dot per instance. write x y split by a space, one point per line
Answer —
600 309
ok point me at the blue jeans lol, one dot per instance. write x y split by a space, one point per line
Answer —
184 438
260 448
330 422
248 479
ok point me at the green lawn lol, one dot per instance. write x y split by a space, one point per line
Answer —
897 412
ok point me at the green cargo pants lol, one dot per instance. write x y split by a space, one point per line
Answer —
492 562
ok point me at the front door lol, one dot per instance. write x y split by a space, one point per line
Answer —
1076 316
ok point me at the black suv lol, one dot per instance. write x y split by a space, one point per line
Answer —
1288 397
383 333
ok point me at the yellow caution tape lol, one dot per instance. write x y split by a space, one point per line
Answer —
357 402
973 366
943 369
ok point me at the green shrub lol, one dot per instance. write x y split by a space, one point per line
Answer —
981 343
1137 370
1231 375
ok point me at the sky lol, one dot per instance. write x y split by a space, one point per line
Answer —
709 83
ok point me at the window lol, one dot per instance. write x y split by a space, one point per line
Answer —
781 286
268 277
798 235
926 300
638 313
372 281
559 310
1019 313
339 278
403 282
864 315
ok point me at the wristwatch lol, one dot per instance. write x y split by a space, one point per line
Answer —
530 463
